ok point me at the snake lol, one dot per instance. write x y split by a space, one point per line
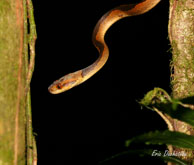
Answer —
106 21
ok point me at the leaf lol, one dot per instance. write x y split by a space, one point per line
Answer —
188 100
158 98
177 139
146 153
177 111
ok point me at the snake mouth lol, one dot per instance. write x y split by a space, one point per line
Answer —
51 89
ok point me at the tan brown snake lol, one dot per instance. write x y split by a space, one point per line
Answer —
107 20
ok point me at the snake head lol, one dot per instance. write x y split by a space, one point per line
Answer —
66 82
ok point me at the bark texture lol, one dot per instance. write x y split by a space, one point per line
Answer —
12 83
181 35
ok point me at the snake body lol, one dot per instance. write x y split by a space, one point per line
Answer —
107 20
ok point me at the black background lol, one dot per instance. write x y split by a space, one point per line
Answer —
92 121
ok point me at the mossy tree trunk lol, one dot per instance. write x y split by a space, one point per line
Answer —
14 98
181 35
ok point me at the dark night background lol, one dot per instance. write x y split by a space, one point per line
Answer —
92 121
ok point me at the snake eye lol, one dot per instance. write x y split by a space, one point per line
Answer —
58 86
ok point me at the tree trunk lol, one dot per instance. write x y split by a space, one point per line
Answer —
181 35
15 118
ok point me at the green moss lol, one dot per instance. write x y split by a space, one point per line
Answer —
155 95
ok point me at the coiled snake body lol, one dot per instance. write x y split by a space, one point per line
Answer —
73 79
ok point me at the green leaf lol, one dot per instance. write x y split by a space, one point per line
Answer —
159 99
146 153
176 111
166 137
188 100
